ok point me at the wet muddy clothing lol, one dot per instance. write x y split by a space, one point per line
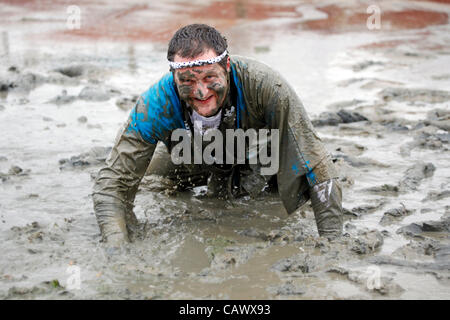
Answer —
259 98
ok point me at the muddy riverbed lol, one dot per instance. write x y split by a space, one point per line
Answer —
380 100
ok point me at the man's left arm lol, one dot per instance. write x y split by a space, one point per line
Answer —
305 166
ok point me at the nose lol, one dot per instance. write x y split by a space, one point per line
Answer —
201 90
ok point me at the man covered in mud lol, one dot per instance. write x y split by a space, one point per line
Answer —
207 90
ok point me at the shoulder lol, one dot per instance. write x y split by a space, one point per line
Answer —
250 65
254 71
160 98
160 91
158 110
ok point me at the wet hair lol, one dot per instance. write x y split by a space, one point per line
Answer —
192 40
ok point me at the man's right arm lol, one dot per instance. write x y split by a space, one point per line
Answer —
117 182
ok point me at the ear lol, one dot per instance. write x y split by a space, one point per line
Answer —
228 64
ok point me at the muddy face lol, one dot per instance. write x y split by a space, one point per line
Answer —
204 88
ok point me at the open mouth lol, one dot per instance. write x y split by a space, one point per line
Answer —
204 101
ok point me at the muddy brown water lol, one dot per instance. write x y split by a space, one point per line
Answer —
188 247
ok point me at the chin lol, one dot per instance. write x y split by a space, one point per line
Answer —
207 111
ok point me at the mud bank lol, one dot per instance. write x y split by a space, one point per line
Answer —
379 101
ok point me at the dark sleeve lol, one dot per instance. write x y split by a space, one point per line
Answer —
117 182
304 163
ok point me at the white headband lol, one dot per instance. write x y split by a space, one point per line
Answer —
188 64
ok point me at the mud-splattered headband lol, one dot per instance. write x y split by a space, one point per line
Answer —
188 64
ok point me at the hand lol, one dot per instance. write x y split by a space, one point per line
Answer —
114 243
326 200
117 239
333 235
